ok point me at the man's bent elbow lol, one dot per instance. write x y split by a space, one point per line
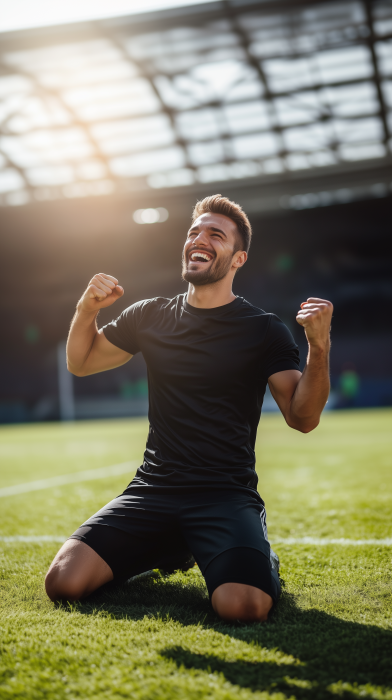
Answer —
308 428
304 426
77 372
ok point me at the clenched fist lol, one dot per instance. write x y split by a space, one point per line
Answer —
102 291
315 316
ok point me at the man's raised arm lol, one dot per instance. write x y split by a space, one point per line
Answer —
88 351
301 398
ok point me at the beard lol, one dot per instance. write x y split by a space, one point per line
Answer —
214 272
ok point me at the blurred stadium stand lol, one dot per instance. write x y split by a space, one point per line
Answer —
112 129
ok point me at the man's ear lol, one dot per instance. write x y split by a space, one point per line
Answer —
240 259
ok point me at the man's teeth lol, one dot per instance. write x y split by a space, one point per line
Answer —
203 256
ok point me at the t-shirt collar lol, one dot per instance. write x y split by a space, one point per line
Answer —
216 311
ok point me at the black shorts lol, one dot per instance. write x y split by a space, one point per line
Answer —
144 529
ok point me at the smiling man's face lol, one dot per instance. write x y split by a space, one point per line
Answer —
210 249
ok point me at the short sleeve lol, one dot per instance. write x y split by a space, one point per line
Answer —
280 350
123 331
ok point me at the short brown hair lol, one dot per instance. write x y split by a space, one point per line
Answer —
217 204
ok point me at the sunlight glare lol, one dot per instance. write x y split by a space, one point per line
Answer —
23 14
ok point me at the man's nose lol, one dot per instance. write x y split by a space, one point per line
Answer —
201 238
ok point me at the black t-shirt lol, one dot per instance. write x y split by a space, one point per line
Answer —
207 375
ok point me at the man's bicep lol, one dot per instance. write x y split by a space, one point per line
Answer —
104 355
283 385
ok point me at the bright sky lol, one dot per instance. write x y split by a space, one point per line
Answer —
21 14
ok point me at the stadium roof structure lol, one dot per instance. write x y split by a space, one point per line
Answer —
259 92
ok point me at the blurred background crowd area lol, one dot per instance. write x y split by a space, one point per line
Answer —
112 129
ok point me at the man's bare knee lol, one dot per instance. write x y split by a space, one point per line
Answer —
245 611
60 585
233 601
76 571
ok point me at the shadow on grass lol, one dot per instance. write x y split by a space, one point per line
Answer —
182 597
330 650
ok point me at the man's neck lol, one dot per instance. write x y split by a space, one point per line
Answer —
209 296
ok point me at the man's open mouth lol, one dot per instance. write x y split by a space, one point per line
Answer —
198 256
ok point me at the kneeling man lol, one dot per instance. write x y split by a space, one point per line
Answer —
209 356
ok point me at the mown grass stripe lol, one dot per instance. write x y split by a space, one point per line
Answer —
73 478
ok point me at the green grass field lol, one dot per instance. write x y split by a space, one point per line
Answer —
158 638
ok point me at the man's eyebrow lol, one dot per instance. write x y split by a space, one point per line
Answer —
211 228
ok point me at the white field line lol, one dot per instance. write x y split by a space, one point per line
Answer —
317 541
88 475
38 539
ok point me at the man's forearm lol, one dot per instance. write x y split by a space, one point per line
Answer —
81 339
312 391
